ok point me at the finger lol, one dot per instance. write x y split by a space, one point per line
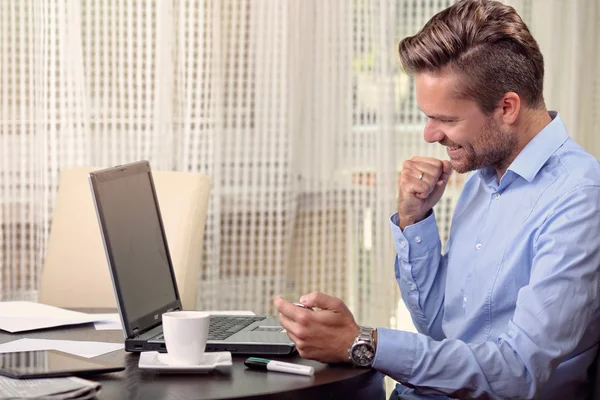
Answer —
302 346
432 167
290 326
446 171
294 339
288 309
410 182
278 302
421 174
416 187
415 169
446 174
320 300
427 160
411 170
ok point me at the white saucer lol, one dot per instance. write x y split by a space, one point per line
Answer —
214 361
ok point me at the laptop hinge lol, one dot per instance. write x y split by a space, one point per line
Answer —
136 331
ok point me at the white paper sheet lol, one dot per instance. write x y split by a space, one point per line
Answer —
20 316
80 348
113 321
108 322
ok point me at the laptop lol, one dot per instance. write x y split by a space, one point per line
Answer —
142 272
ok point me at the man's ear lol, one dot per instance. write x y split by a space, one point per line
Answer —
510 108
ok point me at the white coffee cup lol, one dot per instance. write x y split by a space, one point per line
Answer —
185 333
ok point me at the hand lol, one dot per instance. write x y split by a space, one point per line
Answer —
324 335
422 183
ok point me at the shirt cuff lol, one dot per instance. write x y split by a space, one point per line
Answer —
418 239
396 352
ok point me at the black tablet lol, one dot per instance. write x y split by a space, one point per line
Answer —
51 363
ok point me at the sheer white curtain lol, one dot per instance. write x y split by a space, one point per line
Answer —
569 35
297 110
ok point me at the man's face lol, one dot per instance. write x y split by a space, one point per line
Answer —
473 139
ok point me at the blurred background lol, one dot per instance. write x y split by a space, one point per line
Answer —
298 111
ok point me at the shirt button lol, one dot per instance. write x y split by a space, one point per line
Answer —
465 299
403 244
418 239
497 196
478 246
412 286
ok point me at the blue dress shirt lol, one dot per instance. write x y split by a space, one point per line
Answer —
510 308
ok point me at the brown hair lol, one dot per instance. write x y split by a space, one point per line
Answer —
487 44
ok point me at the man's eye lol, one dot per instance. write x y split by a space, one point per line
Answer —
446 121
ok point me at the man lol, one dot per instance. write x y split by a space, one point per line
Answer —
510 308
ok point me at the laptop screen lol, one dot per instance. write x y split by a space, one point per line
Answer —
135 241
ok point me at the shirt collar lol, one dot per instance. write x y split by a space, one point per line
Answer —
536 153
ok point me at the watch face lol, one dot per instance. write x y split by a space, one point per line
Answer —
362 354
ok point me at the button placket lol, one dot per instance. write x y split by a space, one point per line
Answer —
468 290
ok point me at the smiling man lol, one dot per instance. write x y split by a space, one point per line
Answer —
510 307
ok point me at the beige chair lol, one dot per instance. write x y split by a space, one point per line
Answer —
76 273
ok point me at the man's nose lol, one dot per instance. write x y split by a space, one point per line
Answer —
432 133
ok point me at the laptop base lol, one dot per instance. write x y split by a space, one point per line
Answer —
137 346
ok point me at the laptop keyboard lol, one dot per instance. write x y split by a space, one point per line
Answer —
223 326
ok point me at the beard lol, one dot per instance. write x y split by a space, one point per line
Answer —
493 147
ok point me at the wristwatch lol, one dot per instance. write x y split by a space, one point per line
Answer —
362 351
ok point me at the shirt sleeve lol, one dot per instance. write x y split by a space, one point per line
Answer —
420 272
552 319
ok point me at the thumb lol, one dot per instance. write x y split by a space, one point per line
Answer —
319 300
446 172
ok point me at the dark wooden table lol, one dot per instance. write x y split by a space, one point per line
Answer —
329 381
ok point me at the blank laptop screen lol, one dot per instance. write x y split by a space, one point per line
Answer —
131 224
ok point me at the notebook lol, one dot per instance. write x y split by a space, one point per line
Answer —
142 272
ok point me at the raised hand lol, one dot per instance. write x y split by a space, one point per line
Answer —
422 183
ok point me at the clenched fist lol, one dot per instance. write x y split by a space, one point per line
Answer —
422 183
